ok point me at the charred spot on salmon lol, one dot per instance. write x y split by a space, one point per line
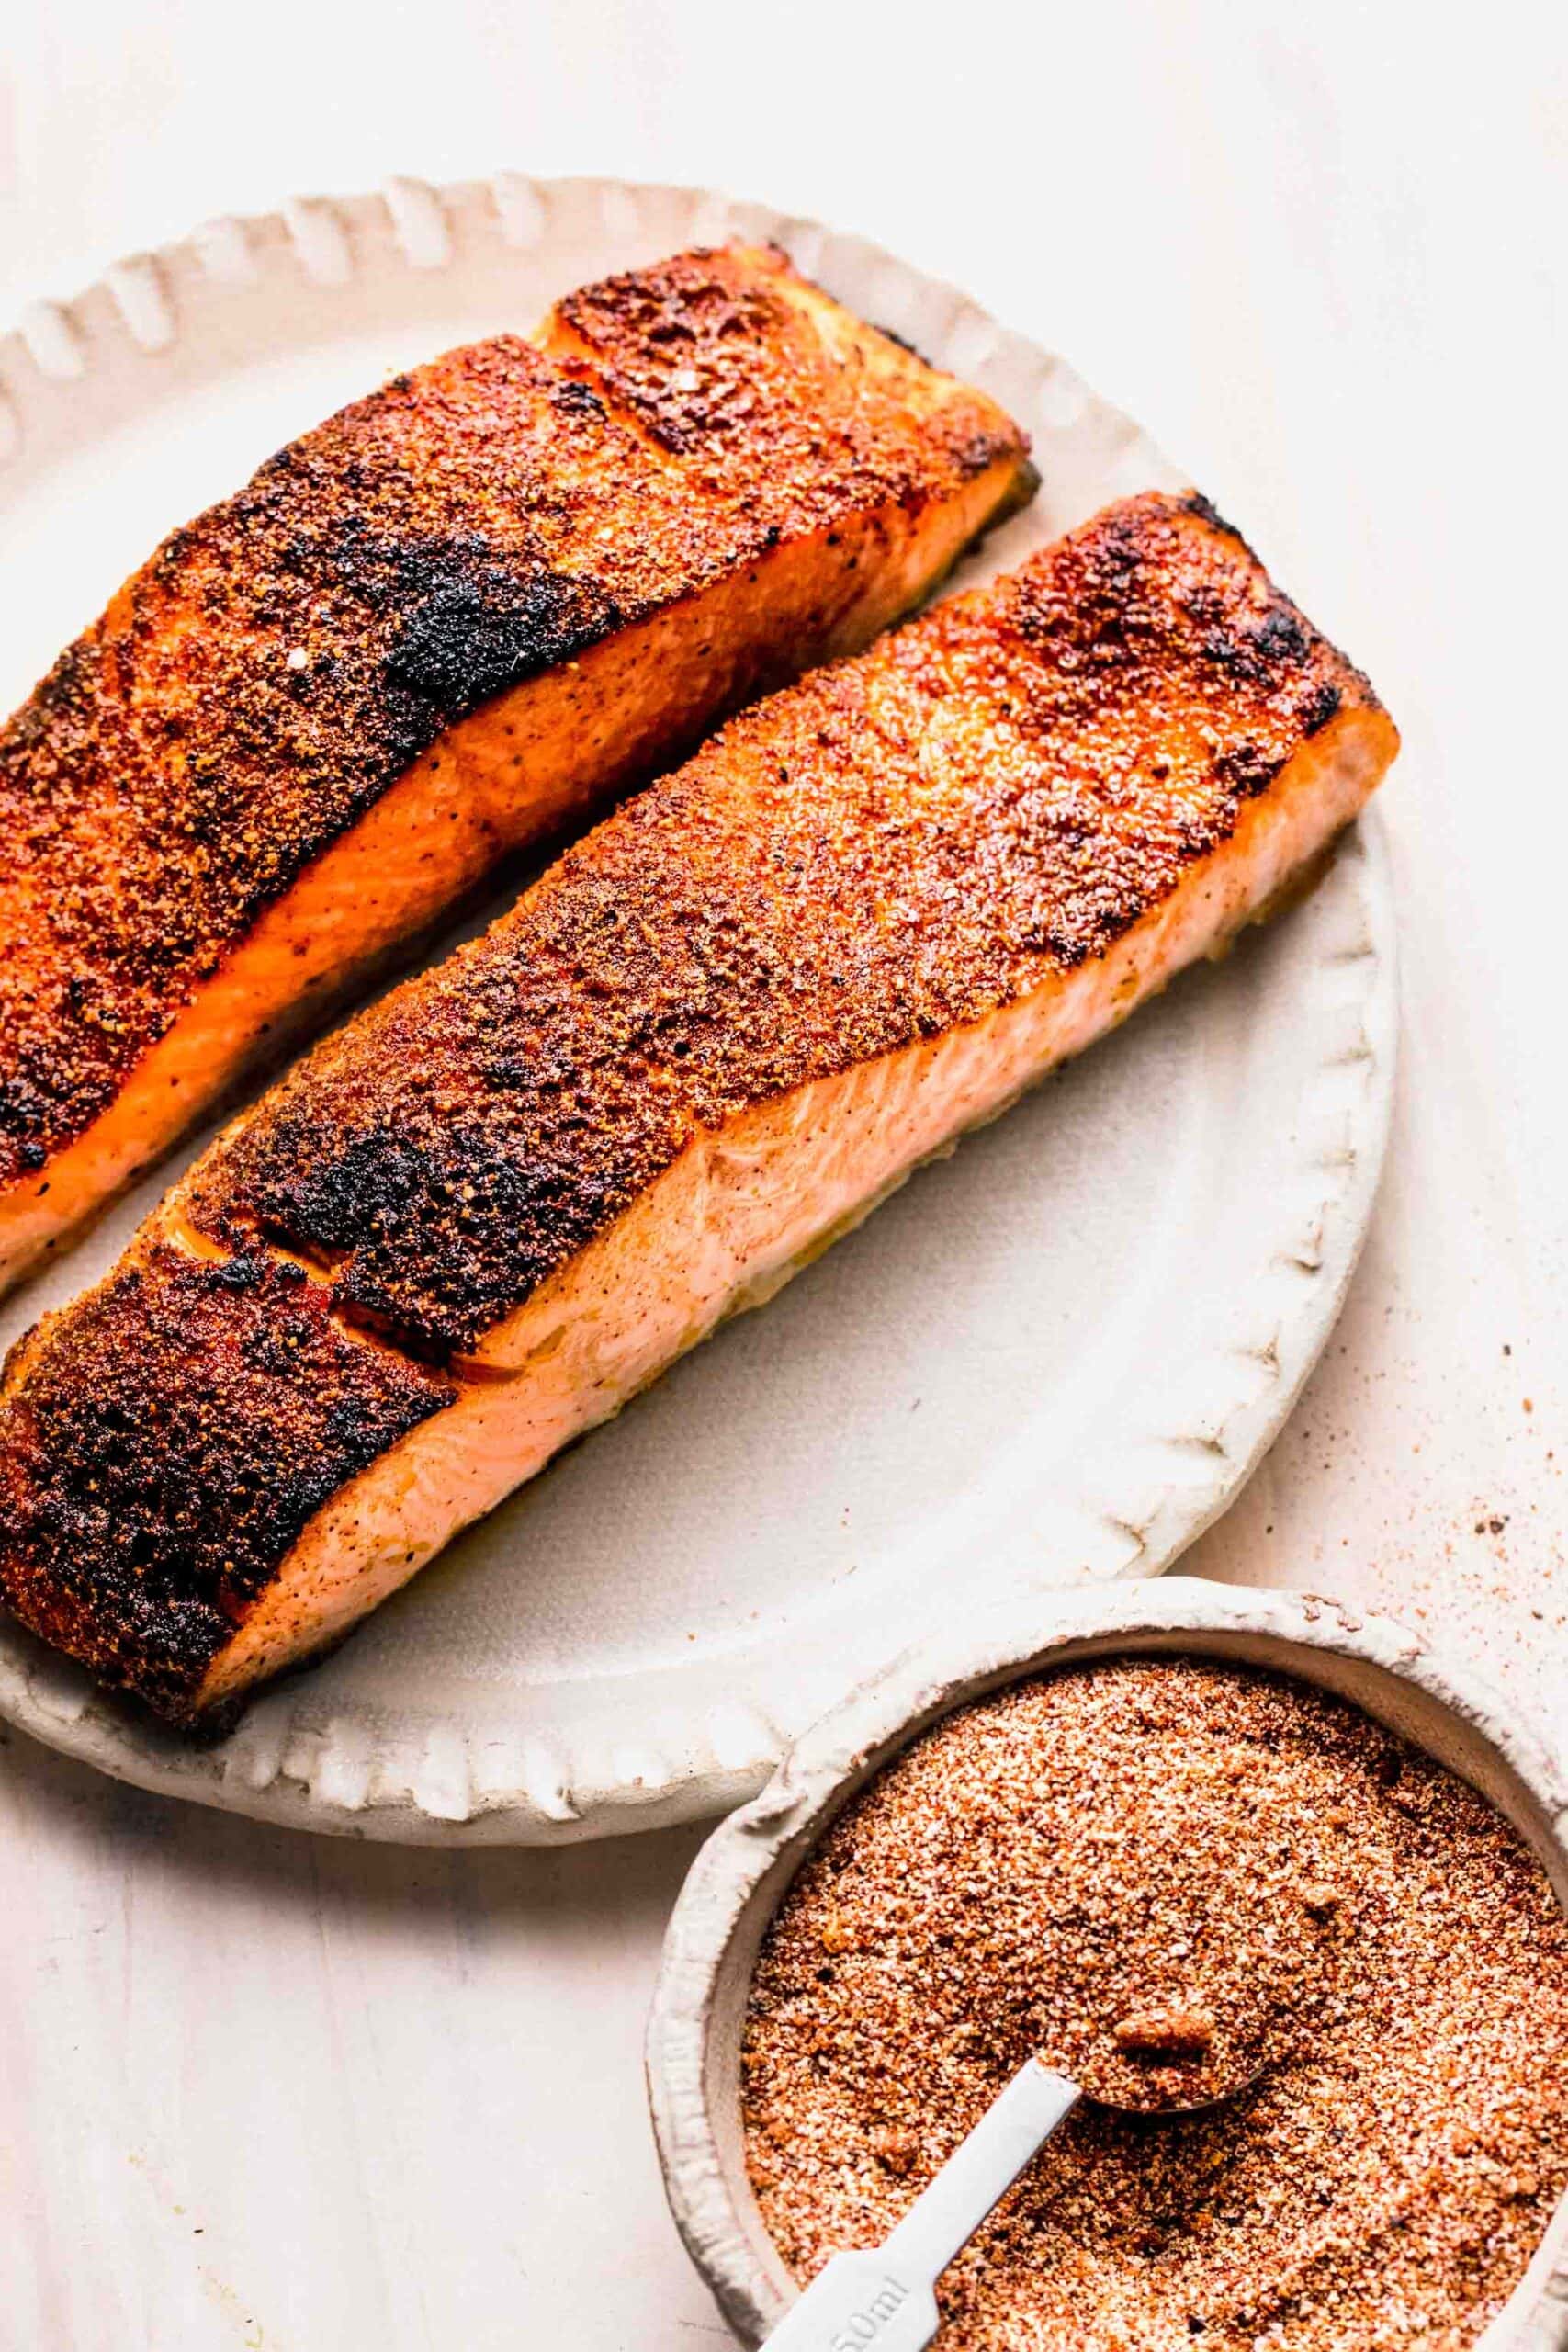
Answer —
1248 768
22 1107
475 632
337 1200
574 398
1279 636
1204 510
174 1440
901 339
1323 703
240 1274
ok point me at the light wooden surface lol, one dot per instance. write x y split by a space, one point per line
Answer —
323 2098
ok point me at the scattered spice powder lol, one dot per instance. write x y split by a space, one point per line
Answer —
1175 1878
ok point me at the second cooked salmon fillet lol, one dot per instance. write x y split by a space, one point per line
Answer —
867 915
441 625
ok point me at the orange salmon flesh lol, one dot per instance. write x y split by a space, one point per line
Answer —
447 623
861 921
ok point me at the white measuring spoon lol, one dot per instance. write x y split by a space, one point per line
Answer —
884 2300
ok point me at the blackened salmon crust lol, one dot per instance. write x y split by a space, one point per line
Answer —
282 659
895 846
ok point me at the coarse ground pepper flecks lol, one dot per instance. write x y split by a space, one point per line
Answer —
1175 1876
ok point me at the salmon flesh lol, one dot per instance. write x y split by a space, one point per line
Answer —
443 624
862 919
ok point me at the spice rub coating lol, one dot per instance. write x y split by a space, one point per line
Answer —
893 848
1051 1859
708 1041
475 524
172 1435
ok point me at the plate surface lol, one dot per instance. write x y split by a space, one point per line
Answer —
1051 1358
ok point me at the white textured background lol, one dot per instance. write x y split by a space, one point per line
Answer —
260 2091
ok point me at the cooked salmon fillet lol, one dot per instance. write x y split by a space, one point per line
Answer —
439 626
864 917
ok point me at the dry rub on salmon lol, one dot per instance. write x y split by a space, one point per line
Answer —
474 1223
442 623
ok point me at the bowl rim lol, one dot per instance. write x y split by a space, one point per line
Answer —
733 1887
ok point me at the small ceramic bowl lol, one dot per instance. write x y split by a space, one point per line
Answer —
739 1878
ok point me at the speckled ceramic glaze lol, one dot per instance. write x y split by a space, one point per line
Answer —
740 1876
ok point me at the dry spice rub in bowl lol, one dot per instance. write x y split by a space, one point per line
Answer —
1195 1847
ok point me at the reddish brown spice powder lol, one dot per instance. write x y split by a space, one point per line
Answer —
1175 1878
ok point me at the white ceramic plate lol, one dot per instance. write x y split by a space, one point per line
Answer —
1050 1360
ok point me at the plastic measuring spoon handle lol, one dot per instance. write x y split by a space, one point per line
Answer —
886 2300
981 2170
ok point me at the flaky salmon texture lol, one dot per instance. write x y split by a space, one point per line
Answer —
448 621
862 919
